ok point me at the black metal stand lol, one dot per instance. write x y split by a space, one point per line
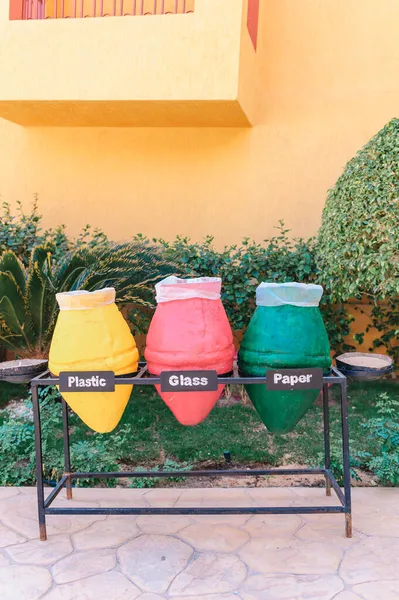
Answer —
142 378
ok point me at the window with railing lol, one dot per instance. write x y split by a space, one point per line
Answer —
64 9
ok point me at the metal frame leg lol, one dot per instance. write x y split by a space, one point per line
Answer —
39 464
346 458
67 456
327 451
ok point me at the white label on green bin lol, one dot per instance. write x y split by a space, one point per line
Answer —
294 379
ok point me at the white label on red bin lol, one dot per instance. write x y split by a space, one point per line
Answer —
189 381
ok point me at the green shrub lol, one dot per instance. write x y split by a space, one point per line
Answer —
243 267
383 438
337 464
357 248
22 231
17 446
19 232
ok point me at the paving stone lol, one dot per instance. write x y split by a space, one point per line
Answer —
210 573
220 497
291 556
153 597
162 524
153 561
9 537
19 506
26 527
106 586
8 492
189 498
271 525
316 500
71 524
373 559
206 597
349 596
163 496
232 520
309 492
23 582
365 498
106 534
216 538
299 587
273 495
333 530
133 503
83 564
100 494
4 560
377 522
41 553
24 489
378 590
20 514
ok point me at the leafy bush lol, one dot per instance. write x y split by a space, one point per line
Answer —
383 437
19 232
337 464
22 231
357 249
28 306
17 446
243 267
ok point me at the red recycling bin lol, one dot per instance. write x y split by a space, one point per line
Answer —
190 332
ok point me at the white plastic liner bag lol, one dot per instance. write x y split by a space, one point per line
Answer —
84 300
172 288
281 294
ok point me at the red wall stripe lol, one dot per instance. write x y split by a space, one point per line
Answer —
253 20
16 10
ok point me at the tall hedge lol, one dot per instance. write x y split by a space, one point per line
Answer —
358 243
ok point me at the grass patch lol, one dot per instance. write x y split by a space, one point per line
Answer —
149 436
11 391
149 433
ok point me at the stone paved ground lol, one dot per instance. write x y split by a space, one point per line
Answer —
200 558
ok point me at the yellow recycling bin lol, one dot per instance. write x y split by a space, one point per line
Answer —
92 335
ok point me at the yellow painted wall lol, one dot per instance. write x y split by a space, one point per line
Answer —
328 80
165 57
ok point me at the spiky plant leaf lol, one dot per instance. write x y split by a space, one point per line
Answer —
36 290
11 296
10 340
70 269
41 256
9 263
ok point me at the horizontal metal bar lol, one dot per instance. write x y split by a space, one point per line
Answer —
139 379
51 497
246 510
210 473
334 484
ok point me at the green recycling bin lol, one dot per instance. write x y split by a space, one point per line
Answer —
286 331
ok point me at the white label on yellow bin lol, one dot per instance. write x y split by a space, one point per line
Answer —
294 379
87 381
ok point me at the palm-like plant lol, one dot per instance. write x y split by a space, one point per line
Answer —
28 306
